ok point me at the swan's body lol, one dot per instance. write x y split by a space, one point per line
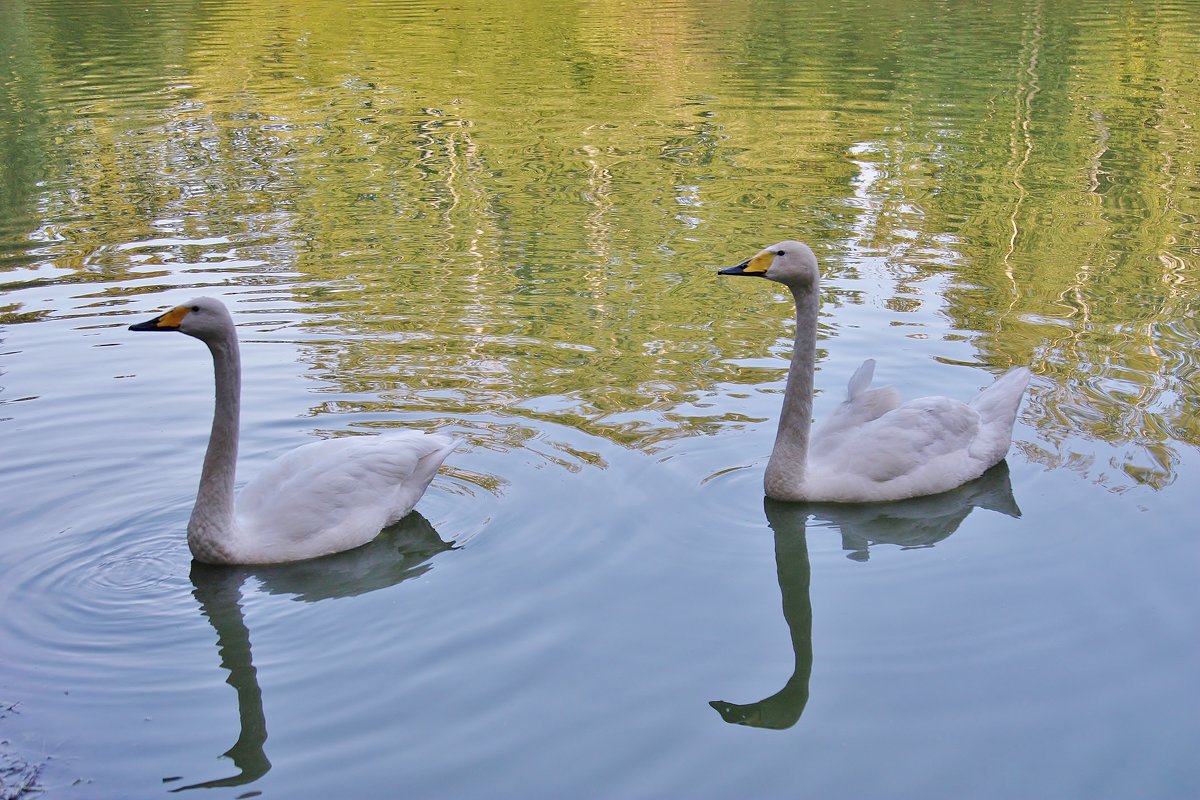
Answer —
321 498
873 447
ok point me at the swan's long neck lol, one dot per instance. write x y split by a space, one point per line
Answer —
784 477
211 528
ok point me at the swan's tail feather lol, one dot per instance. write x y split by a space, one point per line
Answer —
997 408
441 446
860 381
437 447
1002 397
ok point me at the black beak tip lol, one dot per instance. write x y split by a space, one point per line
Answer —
740 269
149 325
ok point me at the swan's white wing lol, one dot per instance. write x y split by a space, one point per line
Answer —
862 404
338 493
923 442
935 442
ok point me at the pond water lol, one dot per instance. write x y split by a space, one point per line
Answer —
503 221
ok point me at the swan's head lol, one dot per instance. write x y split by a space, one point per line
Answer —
205 318
788 262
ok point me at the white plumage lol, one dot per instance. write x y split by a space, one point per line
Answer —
324 497
873 447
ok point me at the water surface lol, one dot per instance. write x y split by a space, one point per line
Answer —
504 222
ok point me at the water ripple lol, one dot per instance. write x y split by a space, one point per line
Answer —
106 595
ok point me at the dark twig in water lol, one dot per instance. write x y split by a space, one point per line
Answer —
18 779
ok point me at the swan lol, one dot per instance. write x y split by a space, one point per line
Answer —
321 498
872 447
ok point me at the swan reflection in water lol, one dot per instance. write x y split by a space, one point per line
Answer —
920 522
400 552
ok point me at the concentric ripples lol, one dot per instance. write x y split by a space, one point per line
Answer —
109 593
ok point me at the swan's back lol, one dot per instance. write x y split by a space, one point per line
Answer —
336 494
924 446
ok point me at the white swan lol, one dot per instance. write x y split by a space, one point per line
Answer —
320 498
873 447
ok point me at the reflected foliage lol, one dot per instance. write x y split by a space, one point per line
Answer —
920 522
397 554
480 206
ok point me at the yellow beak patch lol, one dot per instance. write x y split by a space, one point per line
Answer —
760 263
172 318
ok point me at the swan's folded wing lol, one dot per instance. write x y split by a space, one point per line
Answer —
862 404
909 438
281 479
354 483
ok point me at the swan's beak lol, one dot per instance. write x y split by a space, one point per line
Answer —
740 269
163 322
753 267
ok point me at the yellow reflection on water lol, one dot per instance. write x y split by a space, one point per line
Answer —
519 207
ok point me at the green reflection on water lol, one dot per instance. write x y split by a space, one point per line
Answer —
519 206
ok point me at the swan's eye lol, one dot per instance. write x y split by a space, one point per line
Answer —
779 252
195 308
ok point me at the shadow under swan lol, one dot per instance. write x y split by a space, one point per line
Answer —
400 552
920 522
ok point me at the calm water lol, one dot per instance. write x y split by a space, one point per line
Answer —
503 221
